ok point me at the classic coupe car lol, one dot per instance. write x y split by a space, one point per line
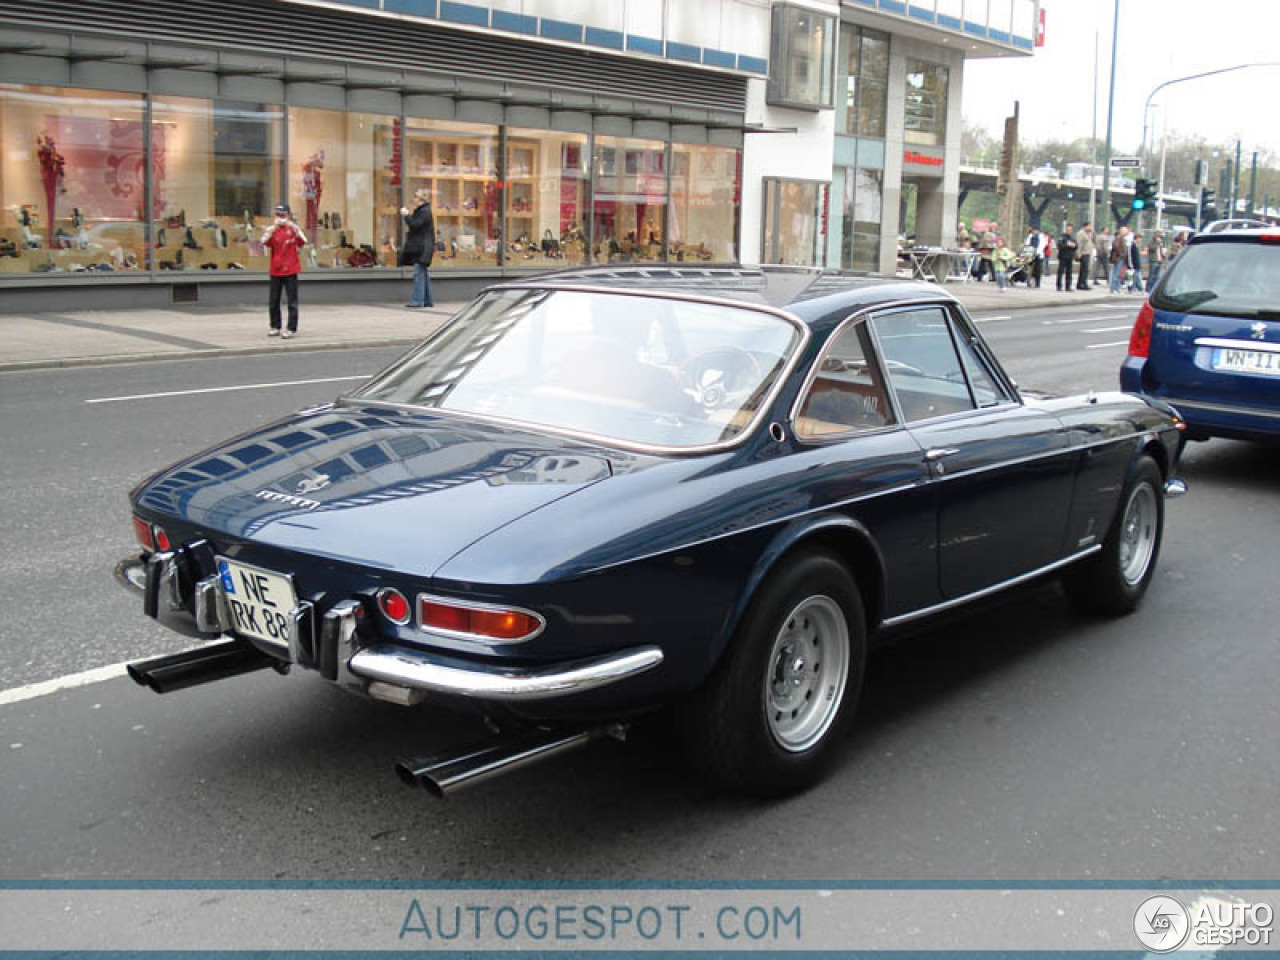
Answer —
598 494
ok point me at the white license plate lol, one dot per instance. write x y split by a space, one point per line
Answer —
258 602
1246 361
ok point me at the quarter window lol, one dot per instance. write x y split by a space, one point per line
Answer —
847 394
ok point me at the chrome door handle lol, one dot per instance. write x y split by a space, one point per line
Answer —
938 453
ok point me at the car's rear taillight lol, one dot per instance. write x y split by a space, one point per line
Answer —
394 605
1272 236
142 532
1140 339
162 538
481 622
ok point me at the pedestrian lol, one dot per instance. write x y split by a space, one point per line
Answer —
1067 246
1085 246
963 240
419 247
1119 260
284 238
1036 245
1102 258
1134 262
987 243
1156 257
1001 257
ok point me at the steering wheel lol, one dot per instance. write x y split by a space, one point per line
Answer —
713 374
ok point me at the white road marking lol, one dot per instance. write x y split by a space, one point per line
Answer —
46 687
1118 316
1099 346
1123 326
989 319
245 386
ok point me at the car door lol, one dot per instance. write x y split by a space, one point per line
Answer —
1002 471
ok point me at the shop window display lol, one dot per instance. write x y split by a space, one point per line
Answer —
629 205
705 200
72 173
458 164
335 162
216 181
794 215
547 181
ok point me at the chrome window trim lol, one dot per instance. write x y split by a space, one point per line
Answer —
473 605
761 412
1260 346
987 591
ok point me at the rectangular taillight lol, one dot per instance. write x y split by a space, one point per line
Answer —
477 621
142 532
1270 237
1140 339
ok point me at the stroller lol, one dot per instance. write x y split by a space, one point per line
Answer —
1020 267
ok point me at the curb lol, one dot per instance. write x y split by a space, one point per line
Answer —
54 364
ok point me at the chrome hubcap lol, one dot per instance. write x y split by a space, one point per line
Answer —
808 669
1138 534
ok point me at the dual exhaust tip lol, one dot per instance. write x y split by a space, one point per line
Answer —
445 773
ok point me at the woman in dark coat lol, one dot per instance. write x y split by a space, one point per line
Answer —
419 247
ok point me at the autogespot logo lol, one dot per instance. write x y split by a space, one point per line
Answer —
1161 924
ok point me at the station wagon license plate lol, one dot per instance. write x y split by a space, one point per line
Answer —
1231 360
258 601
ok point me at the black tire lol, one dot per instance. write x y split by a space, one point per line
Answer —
1114 581
735 730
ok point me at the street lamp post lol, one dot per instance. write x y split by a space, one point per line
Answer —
1111 110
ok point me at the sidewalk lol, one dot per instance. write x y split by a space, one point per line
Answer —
46 340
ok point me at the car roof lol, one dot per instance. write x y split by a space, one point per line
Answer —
1235 231
807 293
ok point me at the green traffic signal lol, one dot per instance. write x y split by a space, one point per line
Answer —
1144 193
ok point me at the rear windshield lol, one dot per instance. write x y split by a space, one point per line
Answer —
1238 279
641 370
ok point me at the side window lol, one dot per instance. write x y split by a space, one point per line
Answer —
847 394
986 390
920 359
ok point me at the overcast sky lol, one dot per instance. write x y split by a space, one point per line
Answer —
1158 40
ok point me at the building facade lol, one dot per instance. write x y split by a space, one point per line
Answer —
143 144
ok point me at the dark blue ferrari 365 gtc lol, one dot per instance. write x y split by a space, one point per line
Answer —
599 494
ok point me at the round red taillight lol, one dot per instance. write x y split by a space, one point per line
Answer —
162 539
393 605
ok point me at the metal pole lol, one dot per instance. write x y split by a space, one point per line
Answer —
1093 137
1111 110
1253 183
1164 148
1235 184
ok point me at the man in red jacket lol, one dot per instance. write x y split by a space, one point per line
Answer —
283 238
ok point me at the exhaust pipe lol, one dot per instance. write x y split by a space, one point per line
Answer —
177 671
445 773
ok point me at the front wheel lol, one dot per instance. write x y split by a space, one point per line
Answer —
1114 581
768 718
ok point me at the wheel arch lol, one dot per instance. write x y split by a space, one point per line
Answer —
844 537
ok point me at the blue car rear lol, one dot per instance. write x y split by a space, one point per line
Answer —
1208 339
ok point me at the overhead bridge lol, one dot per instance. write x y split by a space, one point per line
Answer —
1040 193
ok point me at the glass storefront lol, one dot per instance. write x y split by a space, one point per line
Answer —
864 82
926 107
794 222
72 181
548 185
629 205
705 202
861 217
75 175
340 170
217 177
802 50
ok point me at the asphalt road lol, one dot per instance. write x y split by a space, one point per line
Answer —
1022 741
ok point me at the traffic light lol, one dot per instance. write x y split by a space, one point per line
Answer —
1144 193
1207 209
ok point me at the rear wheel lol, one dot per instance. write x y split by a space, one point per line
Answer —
1114 581
767 720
